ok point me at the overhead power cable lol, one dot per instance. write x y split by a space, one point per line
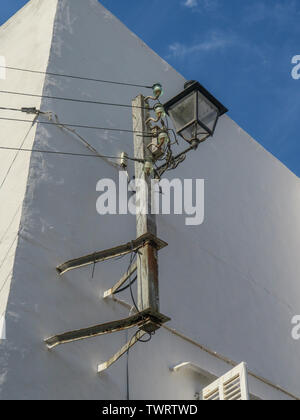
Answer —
9 249
59 98
126 287
132 258
10 109
67 153
90 79
10 224
78 126
54 118
6 280
18 150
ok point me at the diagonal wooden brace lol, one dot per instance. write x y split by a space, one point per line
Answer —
111 253
122 351
117 286
147 320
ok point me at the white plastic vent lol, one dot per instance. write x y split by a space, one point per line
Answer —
233 386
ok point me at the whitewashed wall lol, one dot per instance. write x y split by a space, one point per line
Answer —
231 284
24 42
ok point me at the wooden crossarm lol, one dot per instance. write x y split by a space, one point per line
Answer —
111 253
145 318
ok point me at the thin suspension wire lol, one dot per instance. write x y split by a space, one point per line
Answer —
2 314
5 281
126 287
77 77
77 126
10 224
10 109
12 244
65 153
132 258
67 99
18 150
148 339
127 357
54 118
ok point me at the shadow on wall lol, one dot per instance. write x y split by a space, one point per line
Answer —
2 328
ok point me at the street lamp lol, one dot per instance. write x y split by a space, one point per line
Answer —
194 113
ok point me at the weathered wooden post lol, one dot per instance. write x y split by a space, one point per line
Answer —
147 264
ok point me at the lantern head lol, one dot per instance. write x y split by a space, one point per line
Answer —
194 112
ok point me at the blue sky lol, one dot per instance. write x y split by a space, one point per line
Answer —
240 50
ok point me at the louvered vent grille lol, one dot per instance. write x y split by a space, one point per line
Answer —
231 387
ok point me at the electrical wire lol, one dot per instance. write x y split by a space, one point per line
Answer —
12 244
127 361
64 153
10 109
147 340
1 318
11 222
132 257
59 98
127 370
126 287
6 280
18 150
77 126
117 258
77 77
56 121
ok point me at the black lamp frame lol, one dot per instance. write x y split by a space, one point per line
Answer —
198 88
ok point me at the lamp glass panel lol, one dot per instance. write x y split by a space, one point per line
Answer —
194 131
183 111
207 112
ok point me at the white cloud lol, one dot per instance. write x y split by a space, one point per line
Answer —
217 41
191 3
207 5
282 12
214 42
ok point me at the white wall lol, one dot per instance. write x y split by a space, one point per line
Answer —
25 42
237 280
231 283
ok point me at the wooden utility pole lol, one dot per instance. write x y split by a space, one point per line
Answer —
147 265
148 318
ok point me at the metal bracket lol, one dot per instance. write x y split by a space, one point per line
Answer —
175 160
111 253
192 366
30 111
